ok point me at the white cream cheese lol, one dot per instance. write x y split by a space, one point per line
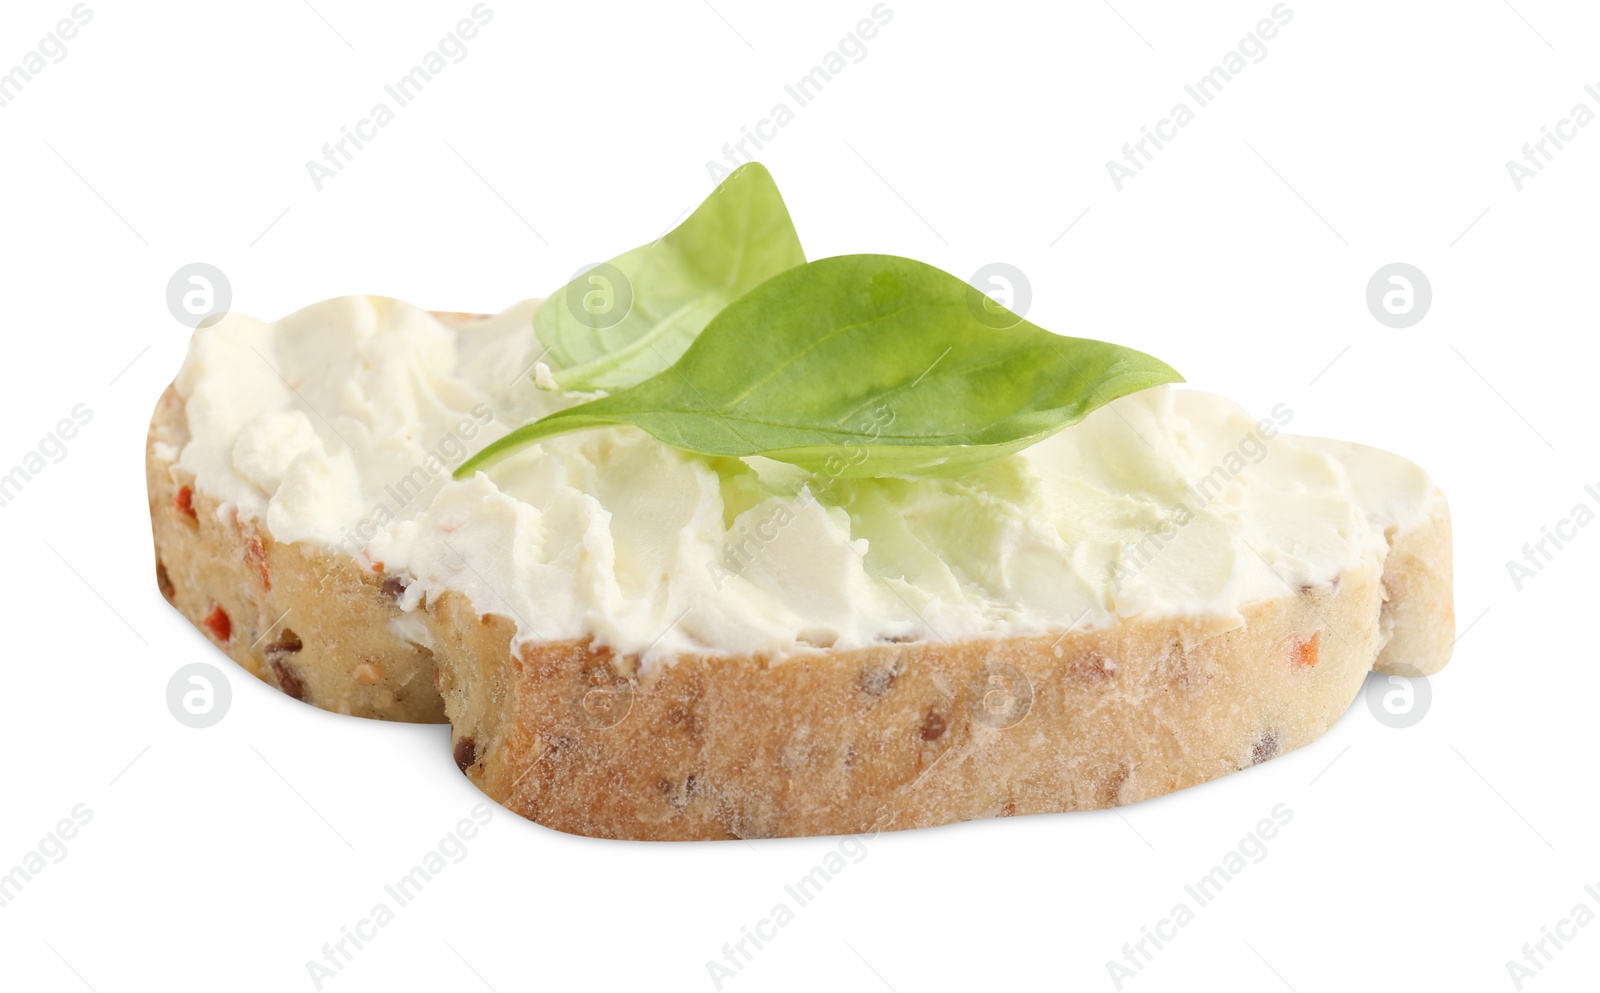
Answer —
339 426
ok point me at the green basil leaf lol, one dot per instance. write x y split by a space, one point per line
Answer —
630 318
864 365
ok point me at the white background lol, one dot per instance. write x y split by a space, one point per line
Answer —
1373 132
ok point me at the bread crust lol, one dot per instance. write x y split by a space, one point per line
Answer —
276 595
900 736
890 737
316 626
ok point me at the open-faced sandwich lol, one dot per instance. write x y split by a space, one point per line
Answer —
717 542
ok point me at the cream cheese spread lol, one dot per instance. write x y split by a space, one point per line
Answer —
340 425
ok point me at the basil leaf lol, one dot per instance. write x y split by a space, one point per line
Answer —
864 365
630 318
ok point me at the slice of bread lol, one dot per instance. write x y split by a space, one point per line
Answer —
320 627
819 741
317 626
913 735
